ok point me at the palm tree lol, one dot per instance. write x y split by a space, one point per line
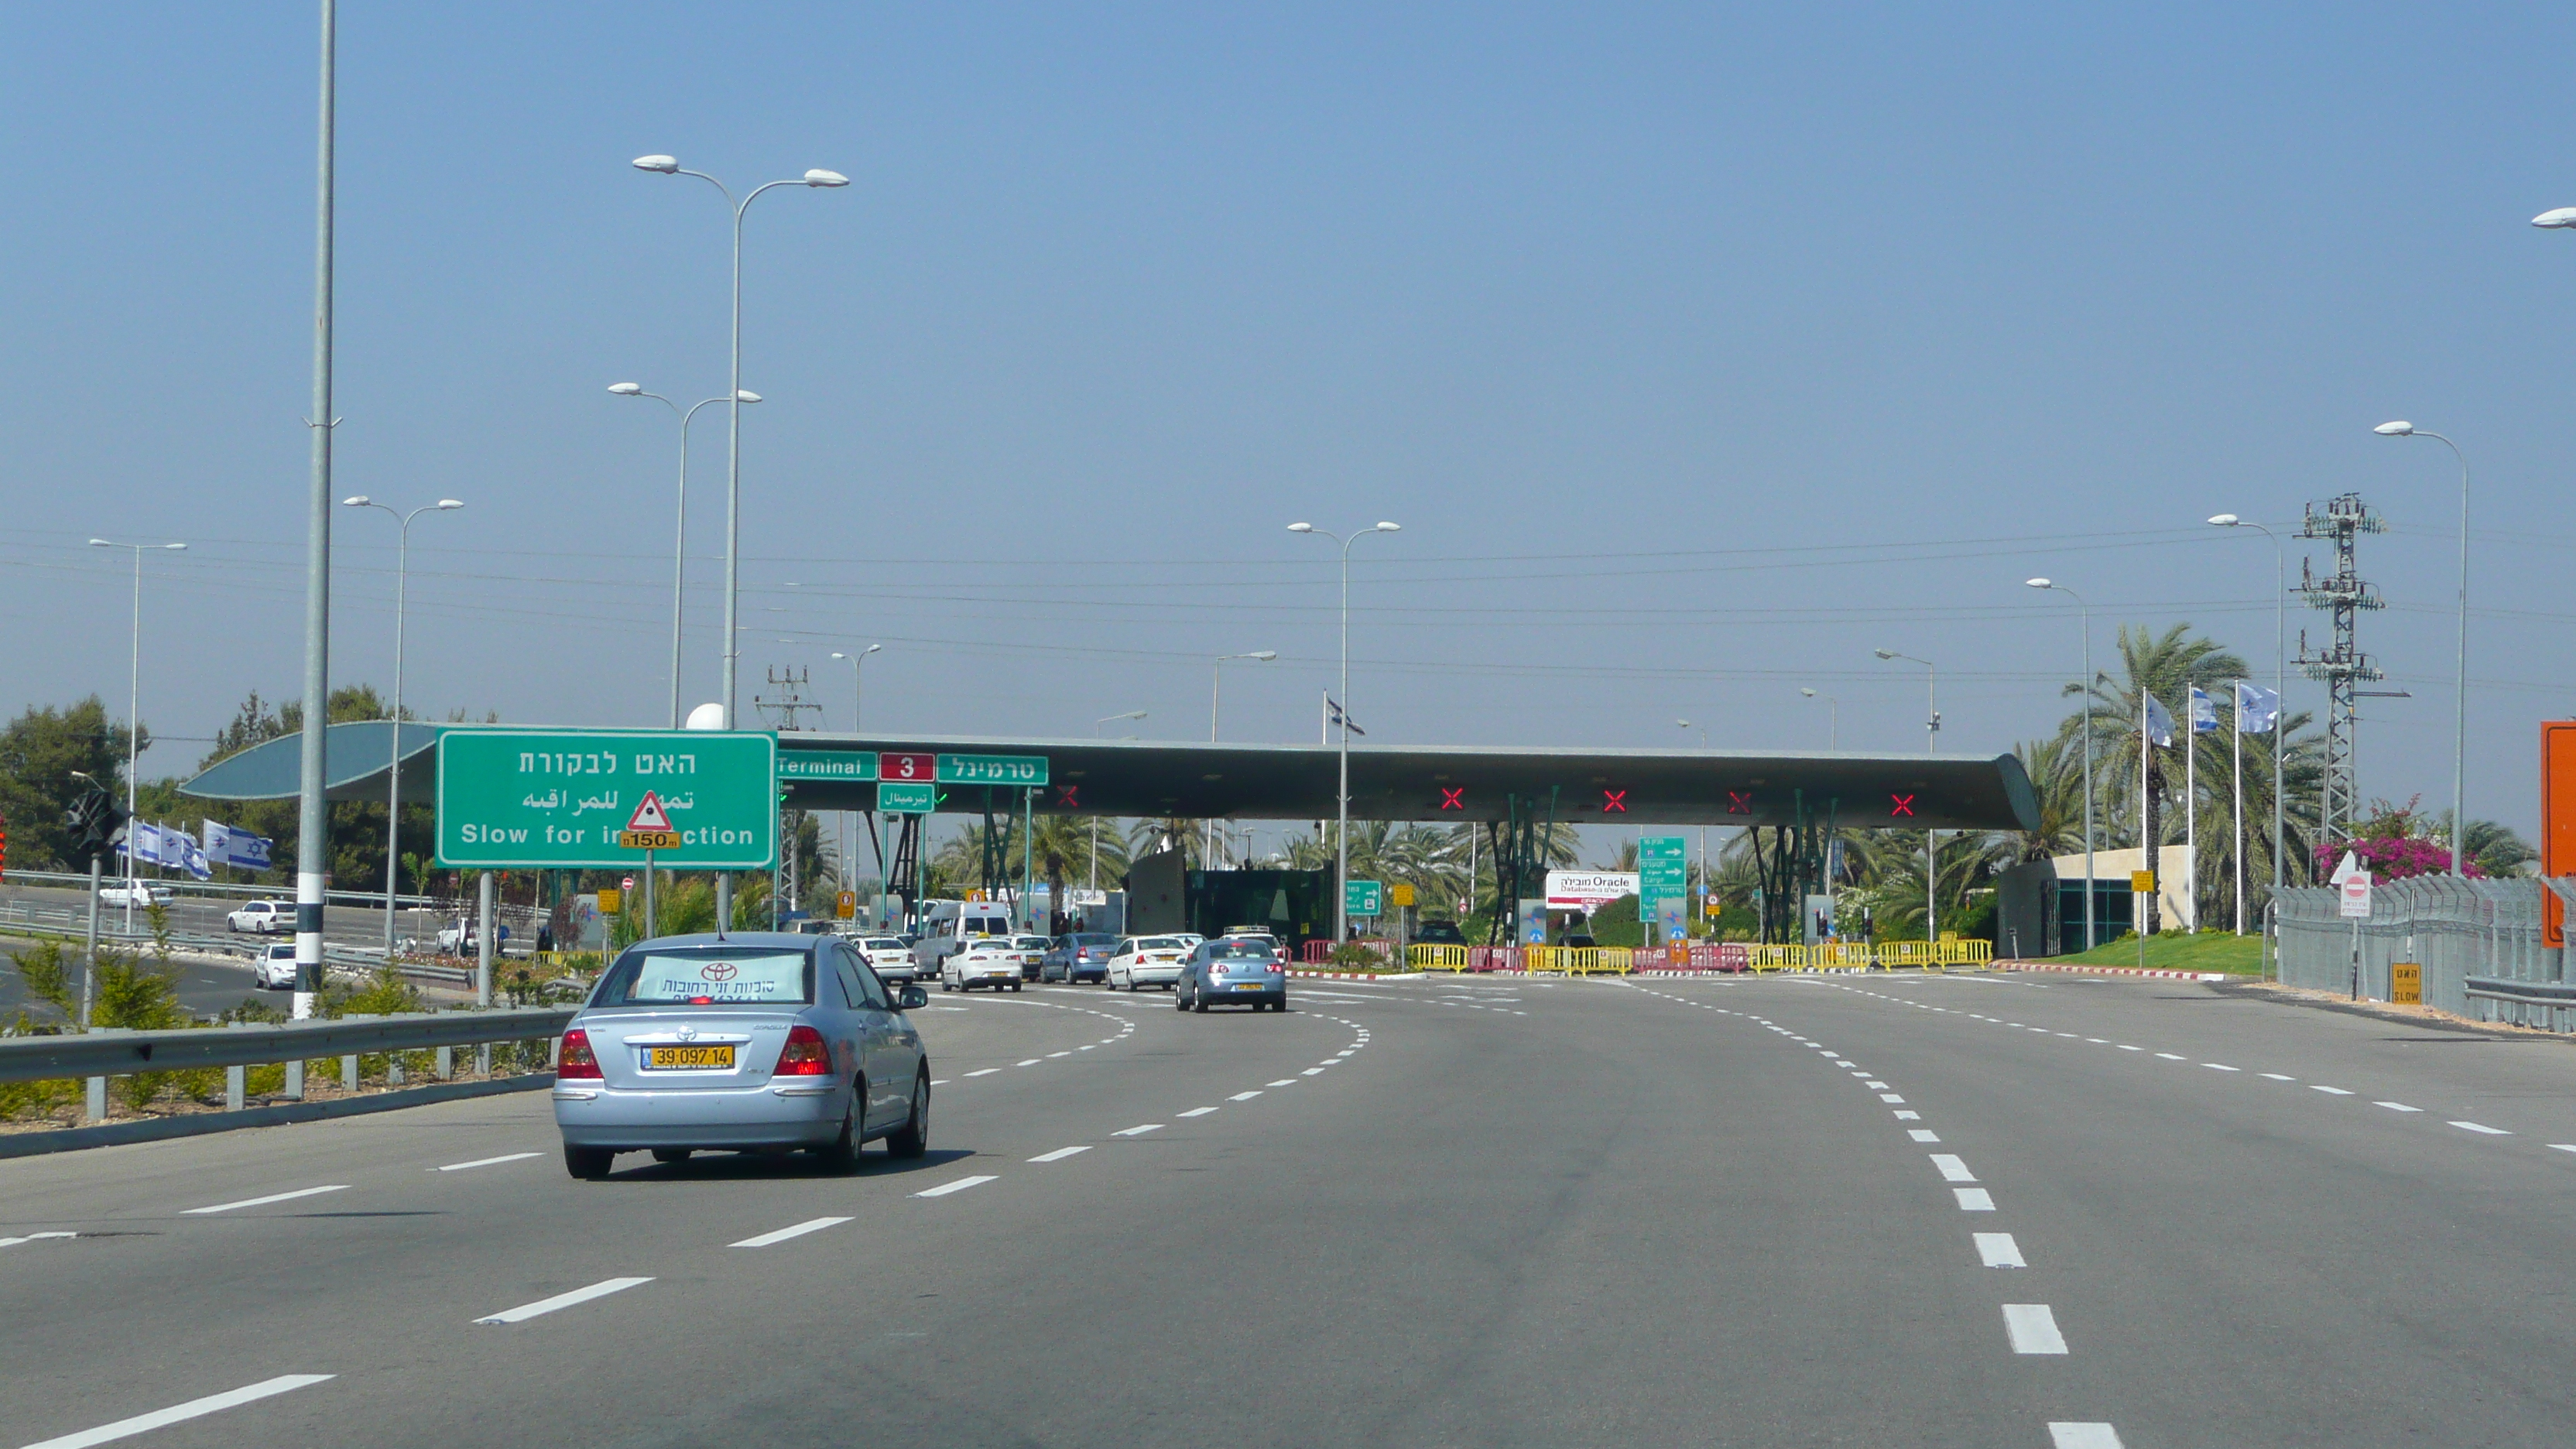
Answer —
2163 668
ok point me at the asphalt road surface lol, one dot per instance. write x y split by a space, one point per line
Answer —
1814 1211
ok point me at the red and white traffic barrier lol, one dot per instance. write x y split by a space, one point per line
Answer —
2110 970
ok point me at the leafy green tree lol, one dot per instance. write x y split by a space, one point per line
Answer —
39 751
2163 667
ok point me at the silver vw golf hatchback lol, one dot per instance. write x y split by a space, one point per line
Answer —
744 1043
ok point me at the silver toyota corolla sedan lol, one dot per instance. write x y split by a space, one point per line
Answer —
744 1043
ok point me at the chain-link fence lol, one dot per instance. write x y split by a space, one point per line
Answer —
2454 928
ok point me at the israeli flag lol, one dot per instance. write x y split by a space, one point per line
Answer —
226 845
2159 723
2256 708
143 842
2204 712
189 856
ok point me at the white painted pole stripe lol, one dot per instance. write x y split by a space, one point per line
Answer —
960 1185
1998 1250
2033 1328
1974 1199
488 1161
179 1413
1061 1153
1138 1131
225 1207
543 1306
1953 1167
2082 1436
810 1225
2482 1127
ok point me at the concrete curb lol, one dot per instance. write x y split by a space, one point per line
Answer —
1358 975
2112 971
160 1129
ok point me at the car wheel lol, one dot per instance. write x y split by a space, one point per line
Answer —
944 986
842 1152
672 1154
1177 1003
1015 986
913 1138
590 1164
1198 1000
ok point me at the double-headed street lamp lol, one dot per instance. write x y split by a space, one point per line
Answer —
1342 797
680 531
1931 854
2460 704
2280 671
134 707
1833 717
393 768
2085 611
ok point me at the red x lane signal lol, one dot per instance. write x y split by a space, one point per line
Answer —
1900 805
1449 798
1739 802
1064 796
1614 800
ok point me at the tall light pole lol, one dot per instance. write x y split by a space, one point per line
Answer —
2091 937
134 709
680 530
1931 855
1833 717
1342 796
313 807
2280 669
2460 701
1095 819
670 166
393 770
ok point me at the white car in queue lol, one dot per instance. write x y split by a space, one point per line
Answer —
985 961
1142 961
275 968
753 1042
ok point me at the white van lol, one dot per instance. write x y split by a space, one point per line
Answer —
945 925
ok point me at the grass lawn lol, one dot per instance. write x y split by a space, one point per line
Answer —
2175 951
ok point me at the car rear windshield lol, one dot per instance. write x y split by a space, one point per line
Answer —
885 943
1094 940
1160 943
707 975
1231 949
1030 943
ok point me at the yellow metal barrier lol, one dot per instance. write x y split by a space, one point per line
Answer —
1864 956
1437 958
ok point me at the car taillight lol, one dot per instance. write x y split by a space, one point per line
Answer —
805 1055
1276 968
575 1063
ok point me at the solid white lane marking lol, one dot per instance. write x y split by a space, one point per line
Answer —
2397 1107
2331 1091
1998 1250
225 1207
2082 1436
2033 1328
2215 1067
810 1225
1889 1097
1954 1168
180 1413
1061 1153
2482 1127
1139 1130
1921 1134
2277 1076
960 1185
1243 1096
1198 1111
1974 1199
487 1161
986 1072
31 1237
1909 1116
543 1306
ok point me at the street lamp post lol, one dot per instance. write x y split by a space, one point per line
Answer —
1931 837
2085 609
1833 717
1216 677
134 708
393 768
1095 819
2460 701
1342 796
670 166
2280 670
680 531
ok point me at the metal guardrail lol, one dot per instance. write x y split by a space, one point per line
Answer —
2548 1005
111 1053
218 890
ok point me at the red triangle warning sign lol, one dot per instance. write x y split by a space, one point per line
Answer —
649 814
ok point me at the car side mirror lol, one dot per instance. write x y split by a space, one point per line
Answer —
911 998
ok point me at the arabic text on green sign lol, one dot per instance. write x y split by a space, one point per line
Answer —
827 765
560 798
1363 898
895 797
992 769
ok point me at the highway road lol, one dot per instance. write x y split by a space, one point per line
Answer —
1969 1211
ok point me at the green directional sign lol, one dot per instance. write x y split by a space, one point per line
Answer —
707 800
1663 873
859 765
894 797
1363 898
992 769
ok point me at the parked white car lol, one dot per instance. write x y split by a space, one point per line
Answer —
990 961
262 917
1142 961
133 893
275 968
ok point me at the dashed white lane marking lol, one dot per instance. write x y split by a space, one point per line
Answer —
2168 1056
2124 1046
1909 1116
1139 1130
810 1225
2219 1067
1243 1096
2062 1435
180 1413
1889 1097
1095 1046
2330 1091
2483 1128
1974 1199
1998 1250
2033 1328
1312 1072
960 1185
2277 1076
1287 1082
986 1072
2099 1040
1031 1062
32 1237
1197 1112
1061 1153
1953 1168
1922 1134
488 1161
225 1207
2397 1107
1053 1055
544 1306
943 1081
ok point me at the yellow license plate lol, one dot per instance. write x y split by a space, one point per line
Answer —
1250 986
688 1058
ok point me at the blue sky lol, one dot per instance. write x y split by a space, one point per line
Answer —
1699 351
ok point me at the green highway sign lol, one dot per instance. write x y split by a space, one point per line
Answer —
992 769
1363 898
1663 873
562 799
860 765
894 797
